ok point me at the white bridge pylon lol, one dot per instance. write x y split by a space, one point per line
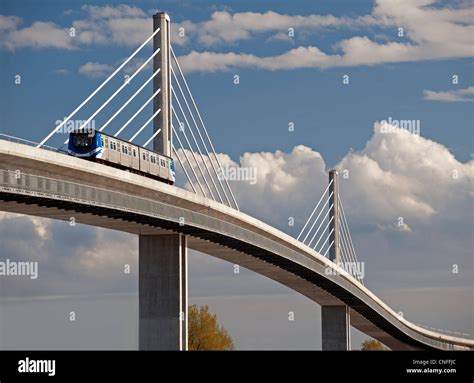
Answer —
332 230
197 157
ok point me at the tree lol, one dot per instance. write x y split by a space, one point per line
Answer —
204 332
372 345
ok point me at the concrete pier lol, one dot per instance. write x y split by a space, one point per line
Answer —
163 292
335 321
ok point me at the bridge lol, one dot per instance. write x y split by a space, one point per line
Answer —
44 181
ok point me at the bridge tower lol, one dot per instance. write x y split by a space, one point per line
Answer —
163 278
335 320
163 140
334 252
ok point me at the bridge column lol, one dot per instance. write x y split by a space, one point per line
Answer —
163 140
335 320
163 292
335 326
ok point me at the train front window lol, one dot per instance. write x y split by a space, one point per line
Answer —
82 140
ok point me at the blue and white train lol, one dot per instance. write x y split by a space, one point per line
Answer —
112 151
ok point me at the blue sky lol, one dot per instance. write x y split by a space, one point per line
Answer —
328 115
282 79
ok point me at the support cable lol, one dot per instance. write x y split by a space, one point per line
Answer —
316 220
98 88
203 125
314 210
197 146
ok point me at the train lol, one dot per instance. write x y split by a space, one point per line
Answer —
112 151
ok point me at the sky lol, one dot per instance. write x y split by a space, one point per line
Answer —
404 60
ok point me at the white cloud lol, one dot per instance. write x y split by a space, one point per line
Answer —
39 35
225 27
98 258
456 95
400 227
281 36
122 25
100 25
301 57
430 33
41 226
110 12
9 22
397 174
95 69
62 71
404 175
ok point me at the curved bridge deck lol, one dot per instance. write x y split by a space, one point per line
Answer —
48 184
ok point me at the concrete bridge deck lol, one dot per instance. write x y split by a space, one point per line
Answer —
57 186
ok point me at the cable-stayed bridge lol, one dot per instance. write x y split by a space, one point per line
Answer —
321 263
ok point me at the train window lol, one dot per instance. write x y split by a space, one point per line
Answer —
153 159
134 152
124 149
162 162
102 141
81 140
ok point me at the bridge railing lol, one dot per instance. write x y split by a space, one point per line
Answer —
18 140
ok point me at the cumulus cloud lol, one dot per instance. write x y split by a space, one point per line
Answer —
301 57
99 25
225 27
62 71
456 95
400 174
120 250
122 25
39 35
95 69
71 259
110 12
9 22
41 227
397 174
430 32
